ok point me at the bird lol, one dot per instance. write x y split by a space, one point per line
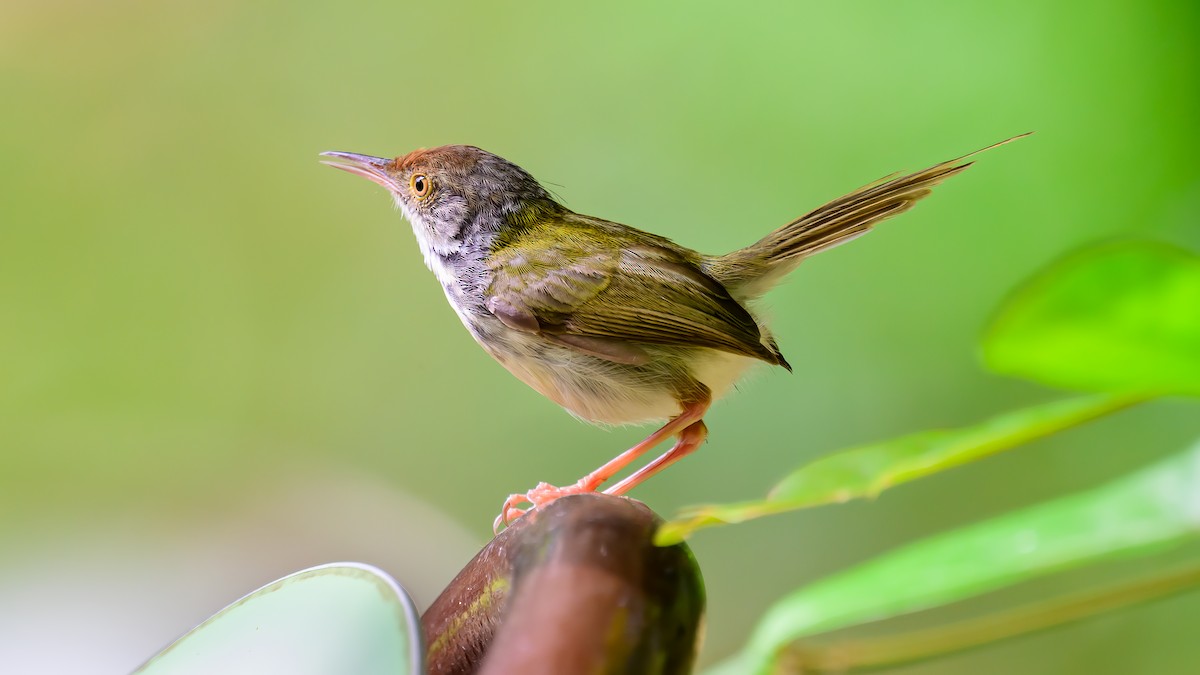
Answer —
615 324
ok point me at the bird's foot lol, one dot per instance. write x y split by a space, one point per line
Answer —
538 497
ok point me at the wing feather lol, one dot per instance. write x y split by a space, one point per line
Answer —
596 297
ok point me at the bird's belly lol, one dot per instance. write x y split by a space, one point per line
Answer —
595 395
719 371
600 391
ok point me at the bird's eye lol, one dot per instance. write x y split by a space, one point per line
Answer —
421 185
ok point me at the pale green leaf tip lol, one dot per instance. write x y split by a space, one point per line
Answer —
676 531
671 533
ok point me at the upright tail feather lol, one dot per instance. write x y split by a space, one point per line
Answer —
751 271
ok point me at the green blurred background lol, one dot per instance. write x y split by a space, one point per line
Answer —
221 361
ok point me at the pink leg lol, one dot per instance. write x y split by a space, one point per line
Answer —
596 478
545 493
690 438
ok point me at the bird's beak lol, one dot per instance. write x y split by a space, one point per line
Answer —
372 168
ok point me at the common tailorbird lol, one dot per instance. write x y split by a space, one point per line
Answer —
612 323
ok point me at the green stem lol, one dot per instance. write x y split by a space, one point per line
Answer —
931 643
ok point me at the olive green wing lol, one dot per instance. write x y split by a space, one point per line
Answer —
579 290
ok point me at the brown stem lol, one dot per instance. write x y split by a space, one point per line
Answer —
577 587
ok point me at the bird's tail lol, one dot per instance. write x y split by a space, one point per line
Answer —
751 271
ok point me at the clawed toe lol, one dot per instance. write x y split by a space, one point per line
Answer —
510 511
538 497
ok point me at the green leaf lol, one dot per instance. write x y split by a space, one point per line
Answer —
326 620
1133 515
962 634
868 470
1121 317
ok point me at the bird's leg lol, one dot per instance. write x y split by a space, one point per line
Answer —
691 433
689 416
690 438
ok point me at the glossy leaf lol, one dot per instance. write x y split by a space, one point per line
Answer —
1122 317
632 606
327 620
868 470
1136 514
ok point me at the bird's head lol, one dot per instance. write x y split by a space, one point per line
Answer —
452 192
